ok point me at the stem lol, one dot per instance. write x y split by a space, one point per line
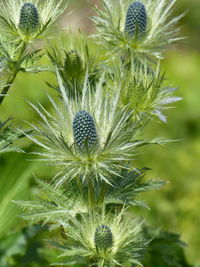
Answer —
91 195
14 74
102 193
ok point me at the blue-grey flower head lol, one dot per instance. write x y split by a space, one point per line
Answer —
84 129
103 238
29 18
136 19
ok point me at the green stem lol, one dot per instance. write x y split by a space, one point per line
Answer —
91 195
102 193
14 74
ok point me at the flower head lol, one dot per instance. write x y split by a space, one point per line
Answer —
136 19
103 237
140 28
29 20
87 137
84 129
109 239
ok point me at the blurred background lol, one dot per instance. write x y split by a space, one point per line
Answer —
177 206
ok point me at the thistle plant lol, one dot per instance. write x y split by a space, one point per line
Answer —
21 24
138 29
94 130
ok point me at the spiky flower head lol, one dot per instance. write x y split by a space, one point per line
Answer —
111 239
84 130
103 238
29 19
61 134
136 19
73 64
151 17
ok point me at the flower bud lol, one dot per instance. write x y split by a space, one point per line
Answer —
84 129
29 19
73 64
136 19
103 238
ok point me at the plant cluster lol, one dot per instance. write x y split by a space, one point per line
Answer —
108 91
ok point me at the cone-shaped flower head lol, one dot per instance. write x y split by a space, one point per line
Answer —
136 19
29 19
103 238
73 64
84 129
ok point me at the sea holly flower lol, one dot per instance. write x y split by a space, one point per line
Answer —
96 118
103 237
30 20
141 28
136 19
84 130
107 240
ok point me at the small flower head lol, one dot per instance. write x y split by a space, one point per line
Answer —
84 129
145 91
136 19
103 238
109 239
73 64
29 19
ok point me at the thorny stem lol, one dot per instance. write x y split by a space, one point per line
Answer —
14 74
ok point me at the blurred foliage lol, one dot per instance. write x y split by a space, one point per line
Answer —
15 176
176 207
165 250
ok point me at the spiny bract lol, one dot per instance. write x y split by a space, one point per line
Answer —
136 19
103 237
84 129
29 18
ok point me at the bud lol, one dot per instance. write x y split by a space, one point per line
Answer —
136 19
73 63
84 129
29 19
103 238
